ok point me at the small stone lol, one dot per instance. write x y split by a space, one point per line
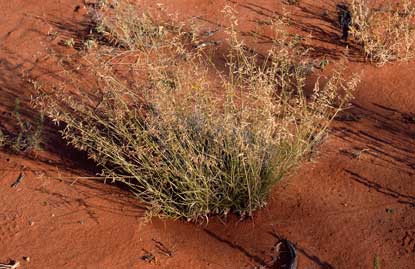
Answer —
26 258
31 223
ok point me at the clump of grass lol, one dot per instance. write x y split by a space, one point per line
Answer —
24 136
124 28
90 44
70 42
385 33
188 138
28 135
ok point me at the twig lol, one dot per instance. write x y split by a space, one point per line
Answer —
10 265
148 257
207 43
18 180
358 153
210 33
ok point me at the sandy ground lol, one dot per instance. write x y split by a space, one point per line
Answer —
350 206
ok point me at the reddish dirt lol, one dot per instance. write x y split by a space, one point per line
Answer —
350 206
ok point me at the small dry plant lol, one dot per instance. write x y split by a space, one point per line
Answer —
192 139
386 33
23 135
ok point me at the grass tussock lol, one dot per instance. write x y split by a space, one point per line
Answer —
386 33
23 136
189 138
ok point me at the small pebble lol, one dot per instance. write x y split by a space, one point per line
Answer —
26 258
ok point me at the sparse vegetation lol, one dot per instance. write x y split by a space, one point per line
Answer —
70 42
189 138
89 44
386 33
25 136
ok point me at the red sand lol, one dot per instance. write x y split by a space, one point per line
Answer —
353 204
